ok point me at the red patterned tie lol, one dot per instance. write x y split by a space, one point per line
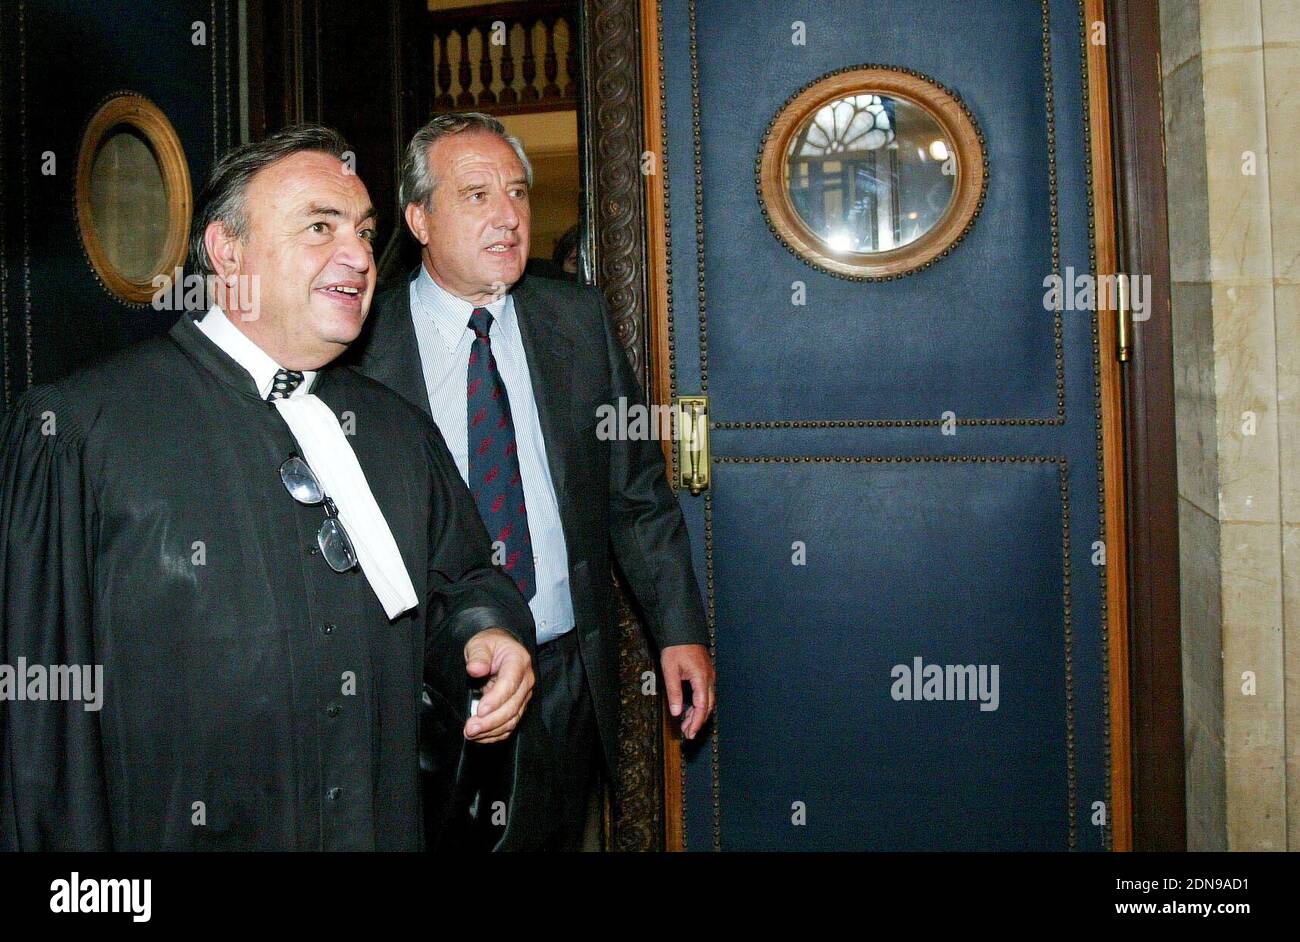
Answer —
494 476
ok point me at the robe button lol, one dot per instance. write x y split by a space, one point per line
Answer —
327 628
332 709
333 794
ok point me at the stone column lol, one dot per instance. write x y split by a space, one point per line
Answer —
1231 75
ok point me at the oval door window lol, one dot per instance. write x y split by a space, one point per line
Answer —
133 196
871 172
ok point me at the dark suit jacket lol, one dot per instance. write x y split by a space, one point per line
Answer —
614 499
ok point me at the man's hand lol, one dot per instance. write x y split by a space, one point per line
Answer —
496 654
690 663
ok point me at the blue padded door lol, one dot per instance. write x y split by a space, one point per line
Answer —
906 474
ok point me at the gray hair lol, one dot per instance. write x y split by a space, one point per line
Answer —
222 199
417 180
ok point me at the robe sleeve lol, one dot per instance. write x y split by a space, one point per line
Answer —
467 593
52 785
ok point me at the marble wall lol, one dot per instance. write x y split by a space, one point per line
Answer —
1231 76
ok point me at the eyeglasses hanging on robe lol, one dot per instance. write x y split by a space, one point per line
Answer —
332 538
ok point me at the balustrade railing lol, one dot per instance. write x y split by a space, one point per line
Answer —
506 58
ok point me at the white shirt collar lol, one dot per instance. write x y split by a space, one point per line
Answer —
247 354
451 314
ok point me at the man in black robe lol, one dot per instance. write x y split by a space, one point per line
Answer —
253 696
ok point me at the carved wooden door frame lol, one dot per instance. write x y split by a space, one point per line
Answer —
617 255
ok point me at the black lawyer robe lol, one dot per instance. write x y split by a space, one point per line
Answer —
253 698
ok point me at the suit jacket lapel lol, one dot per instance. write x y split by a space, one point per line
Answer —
548 346
392 354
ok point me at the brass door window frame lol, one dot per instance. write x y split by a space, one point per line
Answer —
141 114
952 116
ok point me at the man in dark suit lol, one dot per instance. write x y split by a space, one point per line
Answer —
514 371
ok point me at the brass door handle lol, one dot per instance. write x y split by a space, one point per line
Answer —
693 438
1123 320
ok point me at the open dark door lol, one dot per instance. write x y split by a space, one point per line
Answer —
905 540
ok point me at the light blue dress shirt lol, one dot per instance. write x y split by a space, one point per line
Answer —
442 333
